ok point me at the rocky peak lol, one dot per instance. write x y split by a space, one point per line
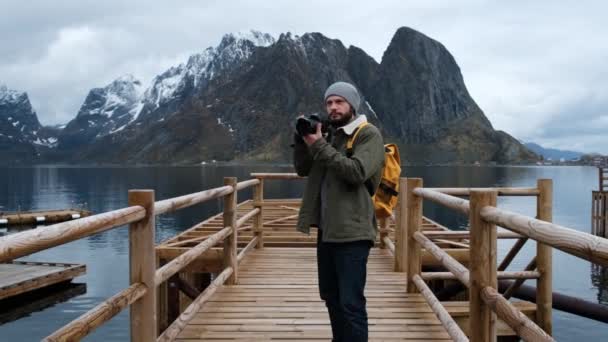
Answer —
17 116
114 100
10 96
424 76
104 111
20 130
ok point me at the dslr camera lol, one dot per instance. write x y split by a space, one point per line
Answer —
308 125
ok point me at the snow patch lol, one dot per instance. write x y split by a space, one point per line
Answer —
371 109
9 95
50 142
136 111
118 129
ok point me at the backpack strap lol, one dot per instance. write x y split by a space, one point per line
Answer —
351 140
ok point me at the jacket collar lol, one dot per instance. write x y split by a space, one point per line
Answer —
352 126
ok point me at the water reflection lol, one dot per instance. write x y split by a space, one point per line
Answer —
14 308
599 279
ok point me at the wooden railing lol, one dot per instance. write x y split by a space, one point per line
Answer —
481 276
140 296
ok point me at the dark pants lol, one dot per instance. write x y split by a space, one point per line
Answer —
342 274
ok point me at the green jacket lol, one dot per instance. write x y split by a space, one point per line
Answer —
349 214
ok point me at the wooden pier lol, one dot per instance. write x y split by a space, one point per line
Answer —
264 284
19 277
599 206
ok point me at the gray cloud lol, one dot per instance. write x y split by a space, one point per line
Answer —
537 69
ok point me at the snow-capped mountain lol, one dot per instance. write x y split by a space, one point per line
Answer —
105 110
18 121
169 89
239 100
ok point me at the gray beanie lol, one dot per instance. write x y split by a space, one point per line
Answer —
347 91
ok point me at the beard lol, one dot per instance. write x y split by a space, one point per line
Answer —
343 120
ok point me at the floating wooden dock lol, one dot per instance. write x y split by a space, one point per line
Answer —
19 277
41 216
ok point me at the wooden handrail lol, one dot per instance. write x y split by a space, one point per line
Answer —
442 314
141 220
458 269
517 246
452 202
25 243
583 245
499 275
276 176
246 184
465 234
247 248
499 191
520 323
177 264
178 325
516 284
389 244
176 203
247 217
92 319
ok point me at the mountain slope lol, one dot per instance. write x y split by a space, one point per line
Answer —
551 153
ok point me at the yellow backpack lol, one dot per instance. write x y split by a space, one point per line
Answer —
386 195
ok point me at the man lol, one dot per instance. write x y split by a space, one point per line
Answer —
337 200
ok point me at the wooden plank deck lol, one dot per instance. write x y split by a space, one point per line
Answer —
277 296
19 277
277 299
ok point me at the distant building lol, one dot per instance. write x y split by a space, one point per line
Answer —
600 161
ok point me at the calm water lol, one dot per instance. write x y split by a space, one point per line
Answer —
106 254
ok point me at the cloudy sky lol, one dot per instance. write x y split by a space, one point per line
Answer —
538 69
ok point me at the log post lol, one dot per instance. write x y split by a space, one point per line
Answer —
544 259
414 224
142 262
482 267
161 301
258 221
173 309
401 228
230 259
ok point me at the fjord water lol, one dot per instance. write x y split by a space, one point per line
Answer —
102 189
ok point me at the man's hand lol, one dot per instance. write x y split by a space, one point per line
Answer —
310 139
